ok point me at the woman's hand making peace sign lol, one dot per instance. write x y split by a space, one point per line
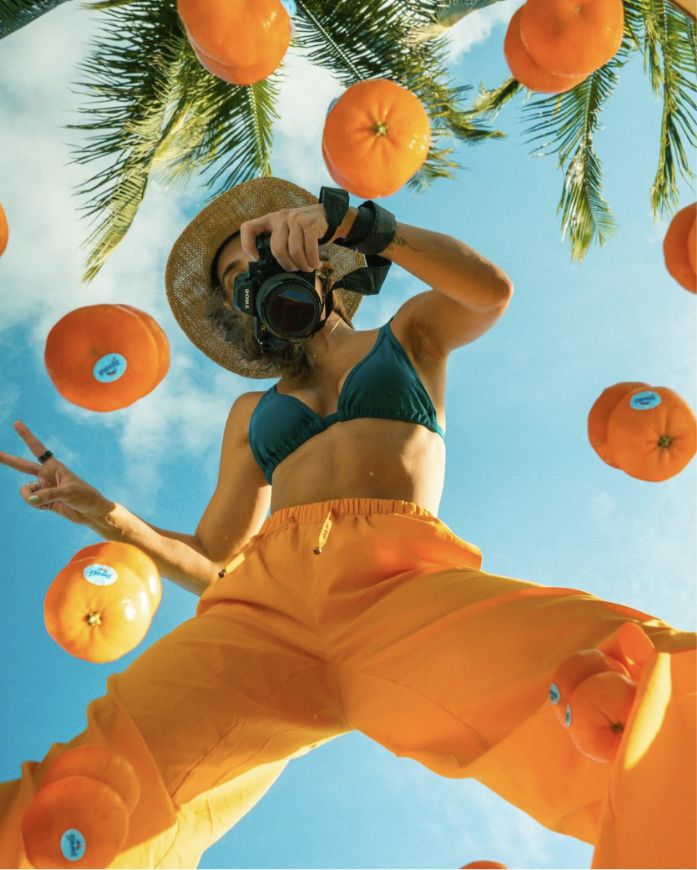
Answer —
59 490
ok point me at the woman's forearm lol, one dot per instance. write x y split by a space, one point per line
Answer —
446 264
180 558
449 266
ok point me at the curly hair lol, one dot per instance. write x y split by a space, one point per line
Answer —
236 327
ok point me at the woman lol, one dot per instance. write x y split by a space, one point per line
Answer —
352 606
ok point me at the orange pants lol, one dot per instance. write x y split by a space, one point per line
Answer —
371 614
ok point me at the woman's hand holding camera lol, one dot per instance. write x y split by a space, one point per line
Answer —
294 236
57 489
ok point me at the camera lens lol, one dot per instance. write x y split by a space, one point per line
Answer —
291 310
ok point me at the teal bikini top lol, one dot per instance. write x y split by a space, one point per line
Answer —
383 384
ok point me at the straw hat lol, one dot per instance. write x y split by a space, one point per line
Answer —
188 272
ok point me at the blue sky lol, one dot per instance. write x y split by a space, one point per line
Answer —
522 481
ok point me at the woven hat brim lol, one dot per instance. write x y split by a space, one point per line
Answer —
188 271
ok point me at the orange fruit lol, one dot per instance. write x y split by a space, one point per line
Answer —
101 763
239 75
599 413
599 709
572 37
75 822
160 337
97 612
375 137
134 557
651 433
237 33
573 671
526 70
676 247
4 230
103 357
692 245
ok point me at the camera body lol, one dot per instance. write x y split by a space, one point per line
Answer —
285 305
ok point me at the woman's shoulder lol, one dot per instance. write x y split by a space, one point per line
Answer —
247 402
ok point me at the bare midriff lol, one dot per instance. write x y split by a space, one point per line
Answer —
364 458
368 457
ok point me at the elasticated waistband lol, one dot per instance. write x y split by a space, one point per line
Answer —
318 510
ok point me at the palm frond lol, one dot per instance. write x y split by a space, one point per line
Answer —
17 13
99 5
221 130
165 115
571 119
356 41
129 75
651 26
675 35
445 16
490 102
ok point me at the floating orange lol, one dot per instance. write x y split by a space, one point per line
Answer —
75 822
598 711
160 337
573 671
103 357
237 33
99 762
491 864
97 612
4 230
599 413
526 70
376 136
677 247
238 75
572 37
651 433
138 561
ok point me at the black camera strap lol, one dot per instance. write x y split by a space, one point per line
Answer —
372 231
367 280
335 201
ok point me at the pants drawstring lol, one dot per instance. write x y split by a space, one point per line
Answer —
324 534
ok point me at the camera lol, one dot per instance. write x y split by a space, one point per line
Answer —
285 305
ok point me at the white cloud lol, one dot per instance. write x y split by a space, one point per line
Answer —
41 269
303 101
477 27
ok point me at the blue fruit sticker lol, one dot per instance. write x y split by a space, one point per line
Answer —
554 693
100 575
110 368
567 716
645 400
73 845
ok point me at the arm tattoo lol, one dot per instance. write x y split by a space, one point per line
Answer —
400 240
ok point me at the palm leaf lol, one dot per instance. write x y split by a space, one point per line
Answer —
490 102
356 41
674 34
571 118
16 13
445 16
222 130
167 114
